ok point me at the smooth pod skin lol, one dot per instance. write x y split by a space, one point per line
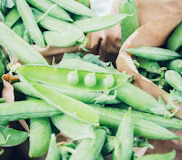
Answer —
8 39
29 22
174 79
99 23
53 152
74 129
142 128
13 137
40 135
57 12
175 40
130 23
176 65
167 156
89 149
139 99
19 28
153 53
12 17
75 7
124 138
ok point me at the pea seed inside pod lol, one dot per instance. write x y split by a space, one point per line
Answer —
90 80
108 81
73 78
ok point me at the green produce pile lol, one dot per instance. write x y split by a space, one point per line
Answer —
93 104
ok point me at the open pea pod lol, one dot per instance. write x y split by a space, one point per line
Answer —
66 104
79 79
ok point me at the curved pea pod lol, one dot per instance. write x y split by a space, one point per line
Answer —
58 39
26 110
21 49
40 135
74 129
99 23
19 28
57 76
30 22
140 99
124 138
12 17
175 40
53 152
66 104
89 149
176 65
53 24
167 156
174 79
130 23
56 12
12 137
142 128
75 7
153 53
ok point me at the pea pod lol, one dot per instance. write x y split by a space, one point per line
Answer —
124 138
33 73
142 128
175 40
99 23
76 108
176 65
8 39
174 79
53 152
167 156
140 99
130 23
12 17
89 149
57 12
29 22
74 129
19 28
13 137
75 7
40 135
153 53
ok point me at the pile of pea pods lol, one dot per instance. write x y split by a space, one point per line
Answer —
94 105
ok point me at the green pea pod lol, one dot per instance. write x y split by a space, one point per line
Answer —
74 129
153 53
29 22
57 39
124 138
57 12
174 79
53 152
12 17
66 104
21 49
19 28
130 23
99 23
26 109
142 128
13 137
109 145
140 99
175 65
167 156
89 149
33 72
175 40
40 135
75 7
